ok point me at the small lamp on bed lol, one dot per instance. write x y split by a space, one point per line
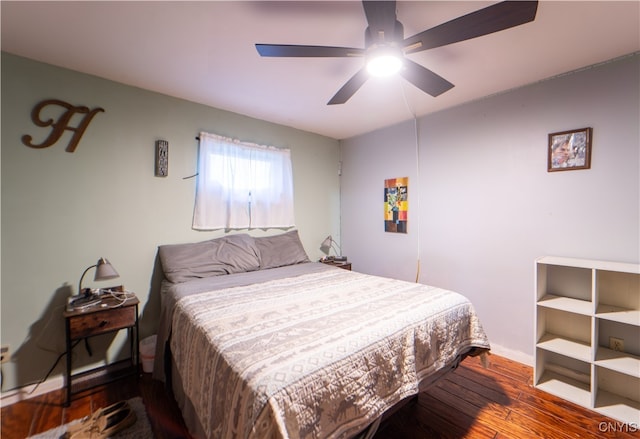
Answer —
104 271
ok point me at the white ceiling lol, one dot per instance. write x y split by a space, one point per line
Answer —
204 52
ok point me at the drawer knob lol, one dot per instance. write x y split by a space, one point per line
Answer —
103 323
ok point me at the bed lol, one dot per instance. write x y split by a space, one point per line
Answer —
256 341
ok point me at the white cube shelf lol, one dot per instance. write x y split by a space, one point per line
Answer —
580 305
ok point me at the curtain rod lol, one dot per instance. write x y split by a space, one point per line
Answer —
194 175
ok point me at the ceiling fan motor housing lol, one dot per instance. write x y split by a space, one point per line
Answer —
377 37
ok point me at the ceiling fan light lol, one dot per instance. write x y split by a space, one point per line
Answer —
384 65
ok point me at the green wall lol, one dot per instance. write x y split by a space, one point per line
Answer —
61 211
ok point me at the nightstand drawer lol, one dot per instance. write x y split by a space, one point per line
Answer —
99 322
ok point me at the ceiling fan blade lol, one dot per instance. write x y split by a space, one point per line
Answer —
288 50
491 19
424 78
350 88
381 17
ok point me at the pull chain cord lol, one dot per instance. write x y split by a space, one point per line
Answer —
415 125
415 188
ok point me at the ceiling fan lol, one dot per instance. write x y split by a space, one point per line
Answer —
384 39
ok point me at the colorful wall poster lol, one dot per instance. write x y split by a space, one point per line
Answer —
395 205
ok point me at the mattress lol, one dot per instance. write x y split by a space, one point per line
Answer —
308 351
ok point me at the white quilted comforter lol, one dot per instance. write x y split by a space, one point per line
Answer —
318 355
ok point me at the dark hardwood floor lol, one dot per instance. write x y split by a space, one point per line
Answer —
473 402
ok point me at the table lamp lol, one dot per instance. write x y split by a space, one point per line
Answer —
104 271
328 244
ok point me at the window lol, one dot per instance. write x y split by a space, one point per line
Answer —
242 185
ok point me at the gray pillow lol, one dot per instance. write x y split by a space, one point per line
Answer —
280 250
220 256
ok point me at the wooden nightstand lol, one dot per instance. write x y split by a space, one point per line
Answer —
341 264
111 315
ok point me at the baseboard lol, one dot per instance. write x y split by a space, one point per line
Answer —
27 392
81 381
518 356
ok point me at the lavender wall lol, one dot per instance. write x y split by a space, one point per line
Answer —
482 206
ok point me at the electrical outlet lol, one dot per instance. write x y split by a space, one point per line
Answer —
616 344
5 354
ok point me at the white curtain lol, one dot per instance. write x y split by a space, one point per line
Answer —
242 185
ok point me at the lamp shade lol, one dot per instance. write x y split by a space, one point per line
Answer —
328 244
104 271
325 247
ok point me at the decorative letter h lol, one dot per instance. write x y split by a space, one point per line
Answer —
61 124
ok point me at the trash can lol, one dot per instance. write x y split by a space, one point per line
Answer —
148 353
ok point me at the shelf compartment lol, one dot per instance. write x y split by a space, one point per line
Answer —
617 407
559 324
618 314
566 304
558 280
617 296
622 362
571 389
563 376
619 288
564 346
618 396
630 334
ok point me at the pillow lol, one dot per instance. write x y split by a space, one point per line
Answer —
220 256
280 250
